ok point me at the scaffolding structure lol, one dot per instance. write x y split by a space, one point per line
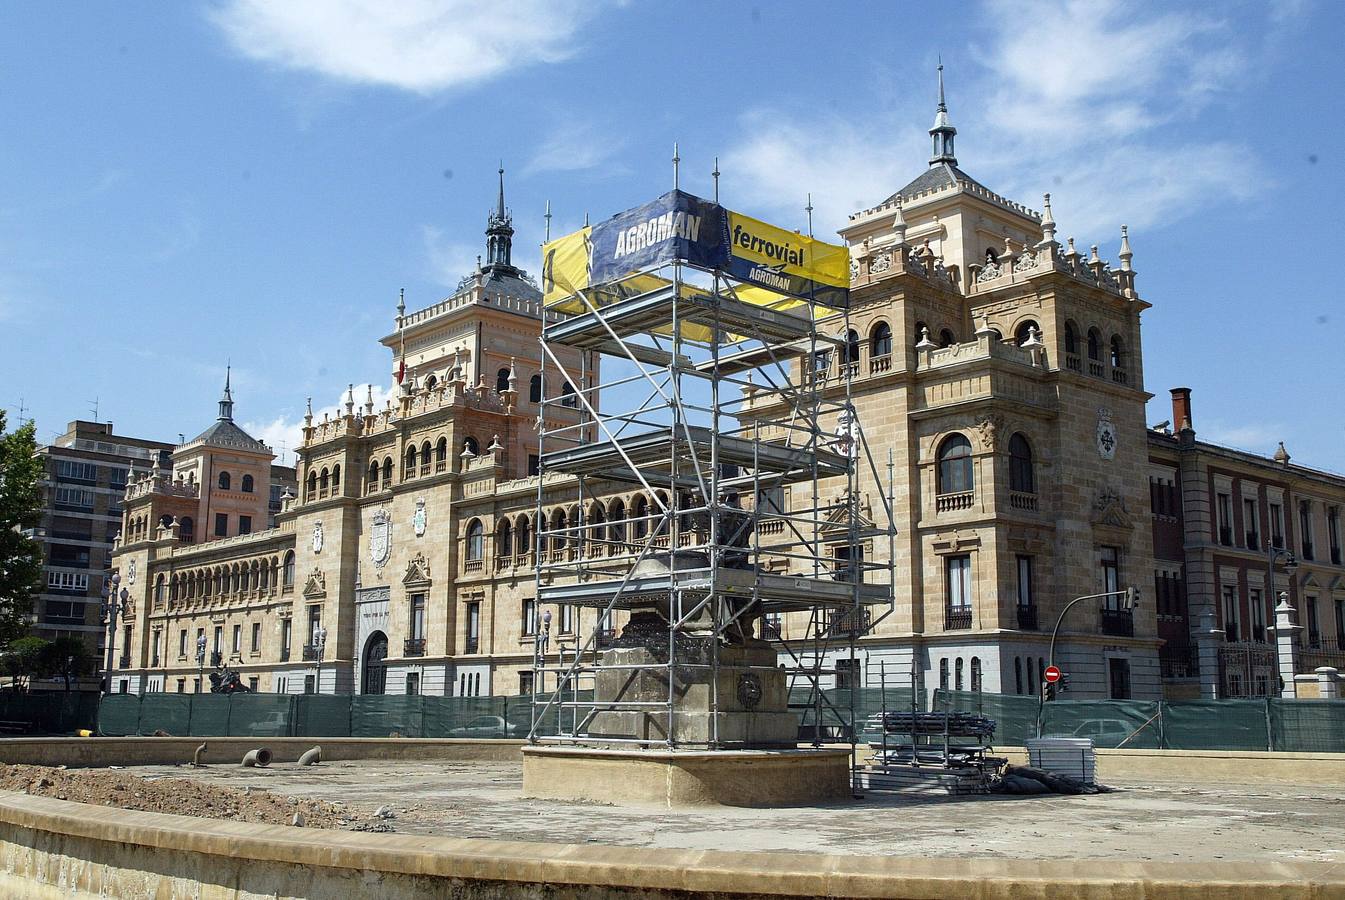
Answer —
716 400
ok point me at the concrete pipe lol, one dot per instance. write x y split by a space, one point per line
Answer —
311 757
198 758
259 757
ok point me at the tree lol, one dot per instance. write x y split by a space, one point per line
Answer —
67 657
26 658
20 507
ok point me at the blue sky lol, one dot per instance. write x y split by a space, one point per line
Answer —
184 184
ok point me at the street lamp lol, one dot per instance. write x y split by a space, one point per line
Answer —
1273 555
319 643
200 663
110 609
1130 598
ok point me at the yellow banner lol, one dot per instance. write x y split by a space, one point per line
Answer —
565 263
787 261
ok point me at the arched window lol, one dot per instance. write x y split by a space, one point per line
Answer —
287 578
441 455
159 589
425 458
1071 338
247 484
851 352
943 673
535 388
976 673
336 479
312 485
558 530
186 530
502 380
1117 352
324 481
504 539
991 255
639 512
597 531
1021 476
1018 674
955 474
1094 345
946 338
880 340
567 396
523 538
920 329
1024 332
476 540
387 471
430 382
616 513
224 481
470 445
957 674
410 470
372 484
165 520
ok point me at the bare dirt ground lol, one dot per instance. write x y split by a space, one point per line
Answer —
1162 821
179 796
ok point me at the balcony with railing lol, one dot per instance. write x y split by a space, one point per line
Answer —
284 654
1073 362
880 364
1119 376
605 638
1027 618
473 565
1116 622
414 647
954 502
957 618
1226 535
1096 369
1023 500
844 622
472 644
311 653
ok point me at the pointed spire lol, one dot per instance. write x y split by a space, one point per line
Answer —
226 403
368 399
1126 253
899 224
499 232
308 413
350 399
943 131
1047 223
401 307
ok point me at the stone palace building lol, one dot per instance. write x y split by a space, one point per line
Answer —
999 370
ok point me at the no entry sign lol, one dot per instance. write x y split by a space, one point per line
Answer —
1052 674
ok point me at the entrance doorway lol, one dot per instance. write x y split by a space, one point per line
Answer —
375 664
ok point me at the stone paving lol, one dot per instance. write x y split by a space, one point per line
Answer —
1203 822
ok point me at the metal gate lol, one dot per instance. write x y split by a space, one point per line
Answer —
375 664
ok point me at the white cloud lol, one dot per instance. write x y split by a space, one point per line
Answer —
423 46
449 260
1073 97
1258 437
574 146
283 433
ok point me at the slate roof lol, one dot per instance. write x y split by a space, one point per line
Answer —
936 176
224 433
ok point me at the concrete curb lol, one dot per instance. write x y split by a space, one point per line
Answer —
115 852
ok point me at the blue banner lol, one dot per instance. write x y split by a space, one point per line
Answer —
676 226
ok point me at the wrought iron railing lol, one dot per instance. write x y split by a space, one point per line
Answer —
1117 622
957 619
414 647
1027 618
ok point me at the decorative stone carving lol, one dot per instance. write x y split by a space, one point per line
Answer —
419 518
880 263
316 586
988 426
1109 509
417 571
380 538
317 537
1106 434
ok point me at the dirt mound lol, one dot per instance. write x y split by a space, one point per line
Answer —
178 796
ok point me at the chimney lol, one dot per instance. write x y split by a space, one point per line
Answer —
1181 409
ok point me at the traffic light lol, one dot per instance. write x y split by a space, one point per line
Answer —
1063 683
1050 688
1132 598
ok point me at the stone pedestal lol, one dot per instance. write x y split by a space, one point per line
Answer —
751 702
669 778
1286 641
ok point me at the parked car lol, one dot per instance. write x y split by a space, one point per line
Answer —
487 727
1104 732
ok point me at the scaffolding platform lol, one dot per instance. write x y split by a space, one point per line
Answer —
653 312
776 593
648 451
